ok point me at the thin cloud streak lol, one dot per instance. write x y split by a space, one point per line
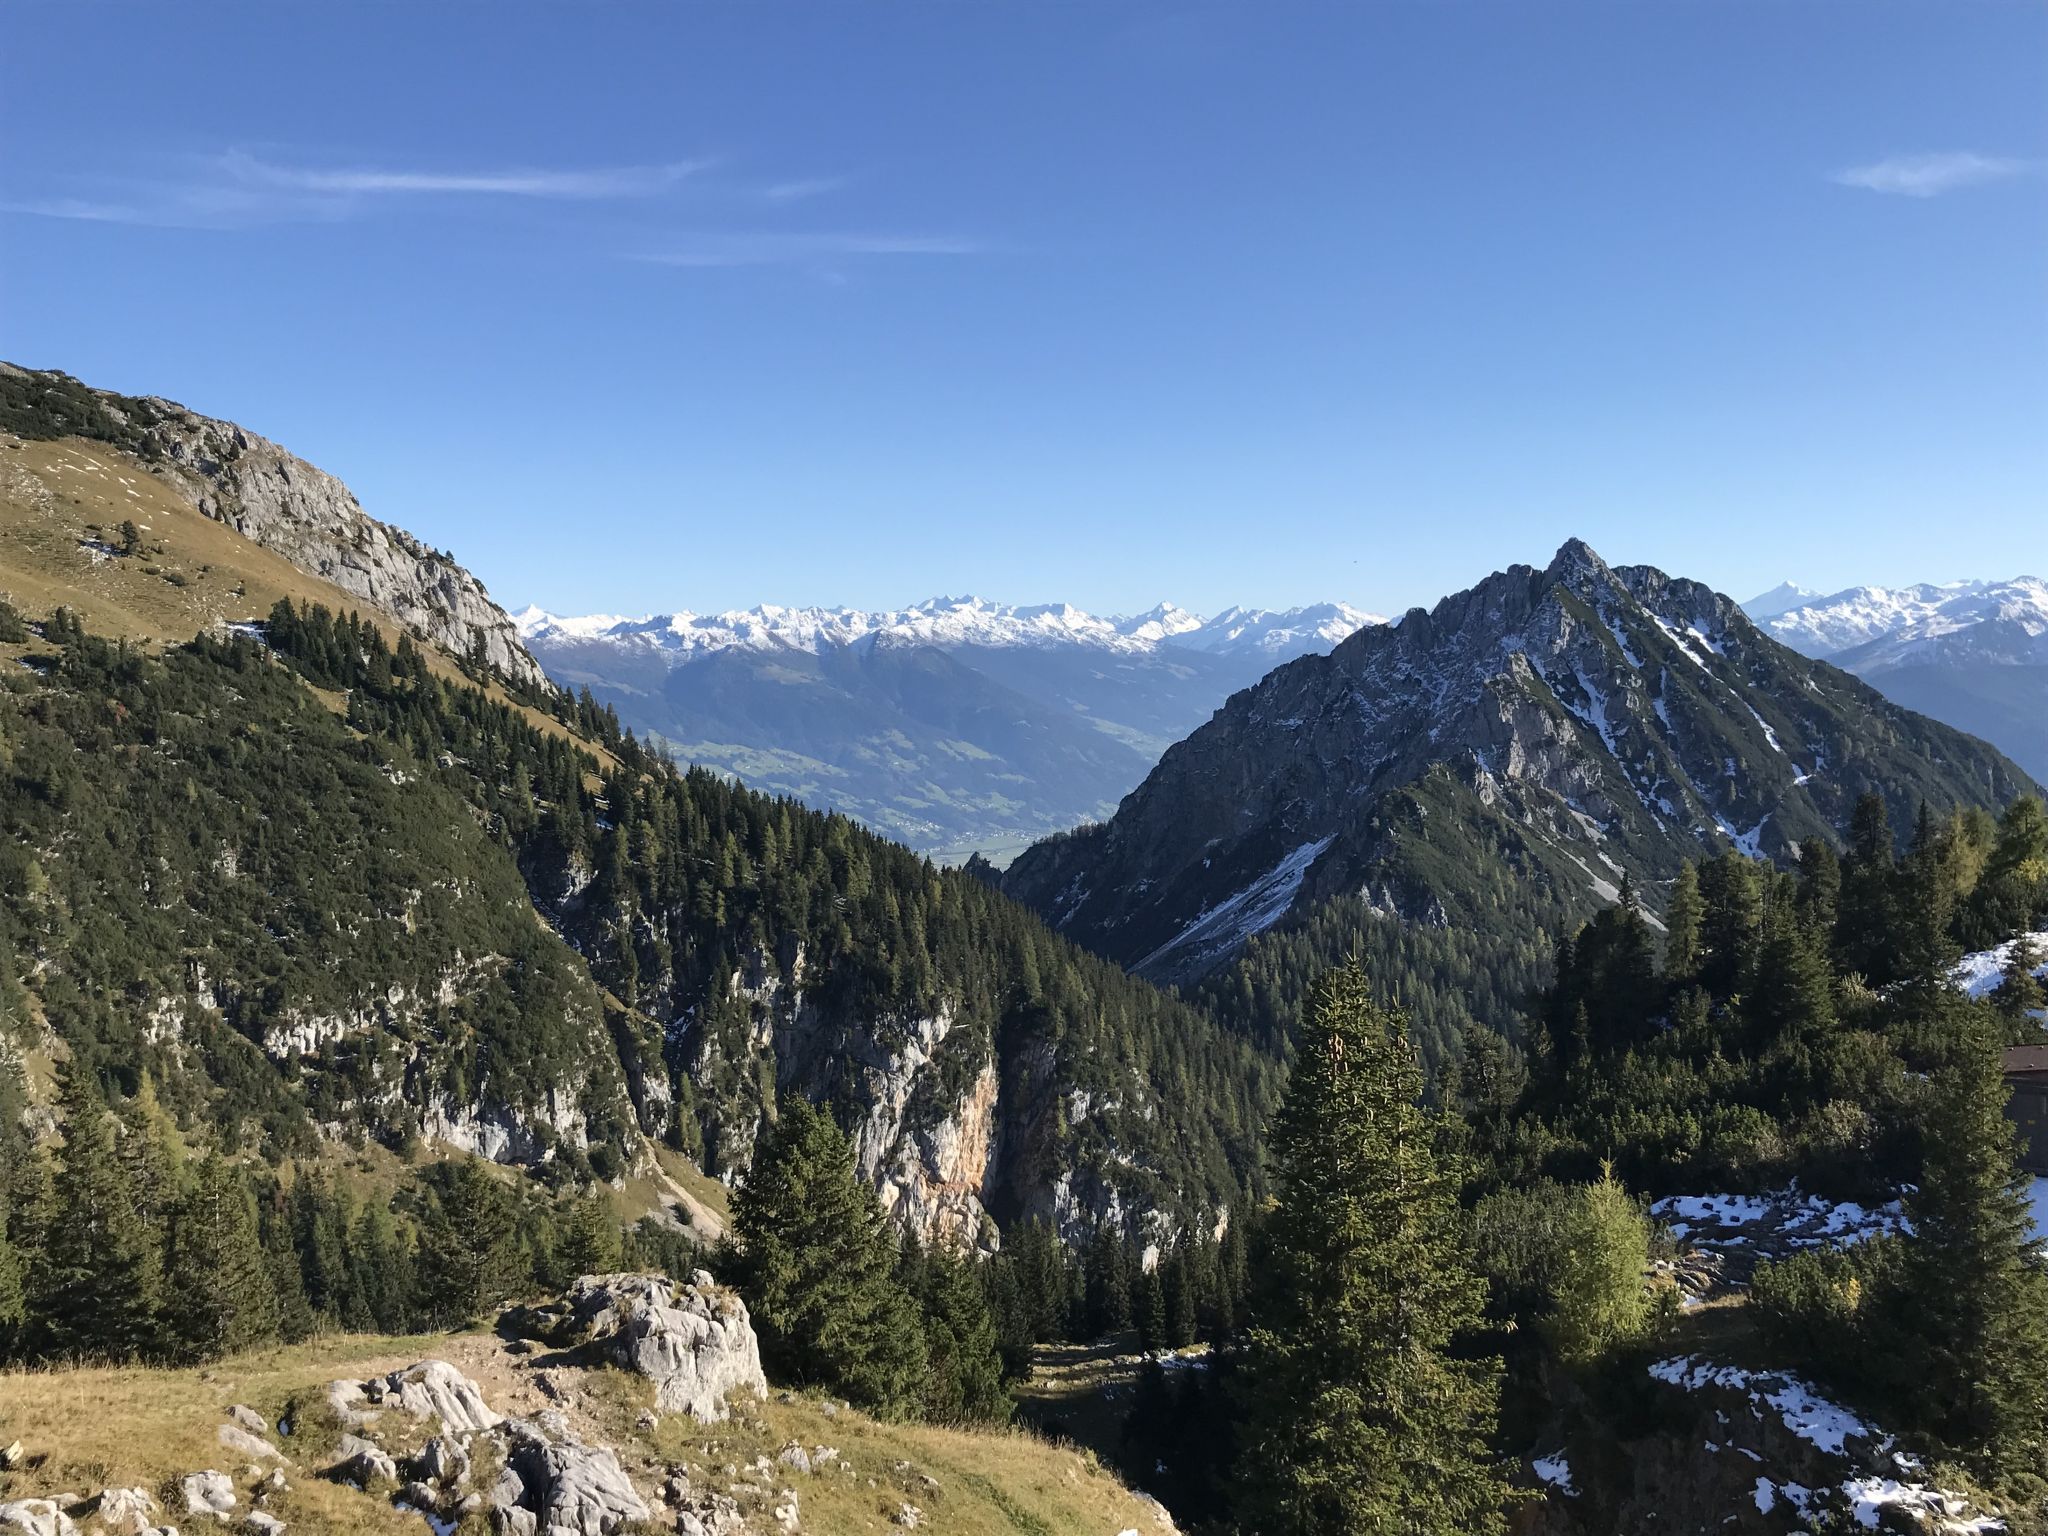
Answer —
1930 175
802 188
597 183
773 249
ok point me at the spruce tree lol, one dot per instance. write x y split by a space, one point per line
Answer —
1974 1318
591 1239
2020 994
1360 1418
466 1256
97 1286
219 1286
964 1381
817 1264
1682 921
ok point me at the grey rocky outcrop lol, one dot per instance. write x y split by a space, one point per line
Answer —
363 1462
36 1517
694 1342
126 1511
237 1439
431 1389
553 1484
281 502
207 1493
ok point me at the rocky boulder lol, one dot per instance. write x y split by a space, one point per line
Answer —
36 1517
555 1485
694 1342
208 1493
126 1511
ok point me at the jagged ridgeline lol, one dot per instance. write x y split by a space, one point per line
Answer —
1455 791
389 905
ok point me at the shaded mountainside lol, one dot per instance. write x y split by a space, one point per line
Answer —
391 907
1972 654
279 502
1531 742
956 725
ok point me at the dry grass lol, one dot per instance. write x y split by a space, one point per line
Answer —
89 1428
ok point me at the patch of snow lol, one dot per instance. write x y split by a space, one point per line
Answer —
1822 1424
1979 974
1770 735
1252 910
1555 1471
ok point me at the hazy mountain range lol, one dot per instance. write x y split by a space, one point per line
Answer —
955 725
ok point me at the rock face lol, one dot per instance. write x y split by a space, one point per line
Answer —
1574 725
310 518
555 1485
695 1343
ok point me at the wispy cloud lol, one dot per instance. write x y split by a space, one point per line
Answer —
801 189
596 183
238 189
776 248
1931 175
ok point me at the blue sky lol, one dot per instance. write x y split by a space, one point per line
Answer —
702 306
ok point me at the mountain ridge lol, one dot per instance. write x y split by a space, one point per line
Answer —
279 502
1582 725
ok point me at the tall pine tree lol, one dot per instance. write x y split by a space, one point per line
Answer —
1360 1417
1974 1319
817 1265
222 1300
96 1288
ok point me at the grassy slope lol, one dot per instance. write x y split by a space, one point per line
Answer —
85 1429
56 494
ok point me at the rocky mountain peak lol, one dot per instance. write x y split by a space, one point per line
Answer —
1572 727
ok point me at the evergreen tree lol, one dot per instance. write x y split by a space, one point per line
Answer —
1866 911
817 1266
97 1287
1682 921
591 1238
295 1320
964 1381
1974 1319
219 1286
1108 1284
466 1254
2020 994
1360 1417
1150 1306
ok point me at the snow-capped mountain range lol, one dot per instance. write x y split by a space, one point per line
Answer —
954 622
1889 626
1973 654
954 725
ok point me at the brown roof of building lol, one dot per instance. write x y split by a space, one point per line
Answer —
2025 1059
